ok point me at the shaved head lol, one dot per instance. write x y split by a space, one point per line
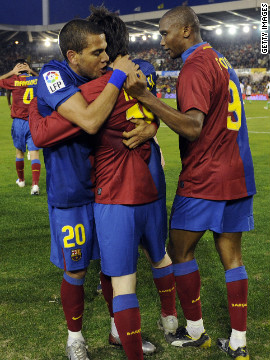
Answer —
180 29
183 16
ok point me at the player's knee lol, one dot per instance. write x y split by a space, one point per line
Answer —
179 254
77 274
165 261
34 155
232 262
123 285
19 154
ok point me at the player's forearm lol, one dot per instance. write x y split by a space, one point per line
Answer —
46 134
183 124
99 110
33 72
90 117
50 130
7 75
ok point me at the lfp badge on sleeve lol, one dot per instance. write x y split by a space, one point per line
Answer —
53 81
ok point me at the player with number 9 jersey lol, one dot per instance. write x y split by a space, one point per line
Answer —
218 166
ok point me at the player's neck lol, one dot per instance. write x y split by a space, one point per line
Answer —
110 66
192 41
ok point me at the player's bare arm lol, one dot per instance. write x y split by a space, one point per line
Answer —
30 71
50 130
188 125
15 71
91 117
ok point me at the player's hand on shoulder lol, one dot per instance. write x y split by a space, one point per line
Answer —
124 64
136 84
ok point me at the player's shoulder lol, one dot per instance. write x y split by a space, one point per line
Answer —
98 83
10 79
145 66
26 77
54 64
54 68
204 51
58 74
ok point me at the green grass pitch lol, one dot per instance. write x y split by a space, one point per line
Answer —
32 324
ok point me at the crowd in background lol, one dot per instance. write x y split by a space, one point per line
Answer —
241 54
244 55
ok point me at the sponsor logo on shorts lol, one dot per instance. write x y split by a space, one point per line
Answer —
53 81
76 255
99 191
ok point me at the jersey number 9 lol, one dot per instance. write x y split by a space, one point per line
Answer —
234 107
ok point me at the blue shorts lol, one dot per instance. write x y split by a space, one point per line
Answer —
21 135
73 237
230 216
120 230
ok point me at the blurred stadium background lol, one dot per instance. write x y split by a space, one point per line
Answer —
29 29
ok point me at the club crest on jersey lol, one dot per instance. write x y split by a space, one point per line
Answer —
53 81
76 255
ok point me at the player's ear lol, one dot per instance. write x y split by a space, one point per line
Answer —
72 57
186 31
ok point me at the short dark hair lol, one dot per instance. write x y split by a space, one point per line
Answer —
184 15
73 35
114 28
20 61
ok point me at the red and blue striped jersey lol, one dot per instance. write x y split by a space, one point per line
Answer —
23 89
124 176
218 165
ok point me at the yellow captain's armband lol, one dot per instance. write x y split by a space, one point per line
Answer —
236 107
77 234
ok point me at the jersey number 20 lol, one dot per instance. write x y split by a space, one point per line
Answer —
77 234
